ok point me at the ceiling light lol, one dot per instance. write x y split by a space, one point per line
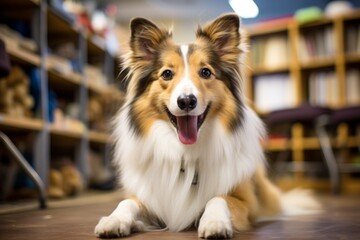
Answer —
244 8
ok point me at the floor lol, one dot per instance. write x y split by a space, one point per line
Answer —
339 220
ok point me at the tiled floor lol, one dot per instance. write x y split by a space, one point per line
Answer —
339 220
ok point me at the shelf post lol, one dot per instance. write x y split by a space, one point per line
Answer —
295 70
340 61
41 144
82 151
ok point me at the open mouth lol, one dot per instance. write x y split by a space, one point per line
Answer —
188 126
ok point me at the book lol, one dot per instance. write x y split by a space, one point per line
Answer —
270 52
317 44
273 92
353 86
323 88
352 40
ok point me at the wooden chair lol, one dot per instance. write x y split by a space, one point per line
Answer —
315 117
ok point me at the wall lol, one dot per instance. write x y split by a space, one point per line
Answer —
278 8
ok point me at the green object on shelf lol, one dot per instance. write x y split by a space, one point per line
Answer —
310 14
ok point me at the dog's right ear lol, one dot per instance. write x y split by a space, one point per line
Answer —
145 38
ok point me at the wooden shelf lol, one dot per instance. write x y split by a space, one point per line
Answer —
352 58
318 23
96 46
96 88
277 144
269 70
355 15
68 82
265 29
350 142
59 26
311 143
324 62
308 143
67 133
23 56
98 137
22 4
28 124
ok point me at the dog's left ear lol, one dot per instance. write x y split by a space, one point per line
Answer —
223 33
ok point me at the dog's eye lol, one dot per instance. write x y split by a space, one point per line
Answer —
167 75
205 73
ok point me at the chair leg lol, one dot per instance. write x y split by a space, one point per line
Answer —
26 167
328 154
281 158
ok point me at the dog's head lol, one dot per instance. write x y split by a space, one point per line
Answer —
185 85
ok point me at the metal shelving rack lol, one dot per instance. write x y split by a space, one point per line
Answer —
44 22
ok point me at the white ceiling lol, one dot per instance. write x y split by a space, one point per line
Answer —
183 16
172 10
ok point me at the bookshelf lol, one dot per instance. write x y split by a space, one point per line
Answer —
320 62
63 77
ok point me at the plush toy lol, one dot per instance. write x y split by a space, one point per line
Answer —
55 189
102 107
72 180
100 177
15 99
64 179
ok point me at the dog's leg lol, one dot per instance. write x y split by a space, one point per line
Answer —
234 211
240 213
216 220
122 221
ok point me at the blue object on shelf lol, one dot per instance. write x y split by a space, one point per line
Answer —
35 90
76 65
52 105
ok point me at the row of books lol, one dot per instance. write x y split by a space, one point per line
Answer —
352 36
273 92
276 91
273 51
270 52
353 86
317 44
323 88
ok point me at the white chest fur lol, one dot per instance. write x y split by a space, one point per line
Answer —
151 167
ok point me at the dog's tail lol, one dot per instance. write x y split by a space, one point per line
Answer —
275 204
299 202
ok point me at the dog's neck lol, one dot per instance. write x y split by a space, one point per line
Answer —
196 175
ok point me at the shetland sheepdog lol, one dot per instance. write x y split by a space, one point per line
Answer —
187 146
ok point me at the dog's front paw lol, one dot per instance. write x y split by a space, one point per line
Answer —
112 226
211 228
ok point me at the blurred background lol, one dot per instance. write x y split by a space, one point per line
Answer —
60 85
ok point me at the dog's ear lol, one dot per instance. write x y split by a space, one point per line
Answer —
145 38
223 33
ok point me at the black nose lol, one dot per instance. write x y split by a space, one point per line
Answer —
187 102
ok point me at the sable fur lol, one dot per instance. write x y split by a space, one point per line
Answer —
232 190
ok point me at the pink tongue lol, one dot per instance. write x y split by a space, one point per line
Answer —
187 129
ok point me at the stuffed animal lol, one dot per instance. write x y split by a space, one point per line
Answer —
102 107
65 179
100 176
15 99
